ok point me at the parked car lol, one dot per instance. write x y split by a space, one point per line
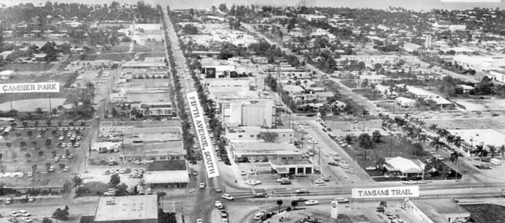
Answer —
228 197
218 190
202 185
302 191
224 214
243 173
109 193
331 163
259 215
25 219
311 202
371 168
319 181
342 200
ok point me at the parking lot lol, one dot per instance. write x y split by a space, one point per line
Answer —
38 155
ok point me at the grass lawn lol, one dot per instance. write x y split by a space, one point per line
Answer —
92 189
27 67
391 146
121 47
489 213
149 46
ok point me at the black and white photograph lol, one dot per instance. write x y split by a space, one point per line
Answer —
252 111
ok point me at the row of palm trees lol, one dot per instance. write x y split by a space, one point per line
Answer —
413 129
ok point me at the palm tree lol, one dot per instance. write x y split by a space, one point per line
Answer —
279 203
502 150
437 143
492 150
457 141
133 190
443 133
433 127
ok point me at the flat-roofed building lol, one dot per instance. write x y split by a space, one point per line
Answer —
250 113
127 209
283 158
169 150
155 109
253 134
437 211
172 173
107 127
150 65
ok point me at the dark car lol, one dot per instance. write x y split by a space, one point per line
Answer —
285 182
331 163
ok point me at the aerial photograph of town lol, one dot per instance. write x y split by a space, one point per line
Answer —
252 111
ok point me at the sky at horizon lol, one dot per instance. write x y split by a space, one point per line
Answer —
416 5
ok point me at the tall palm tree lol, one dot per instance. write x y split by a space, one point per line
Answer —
457 141
442 133
437 143
433 127
492 150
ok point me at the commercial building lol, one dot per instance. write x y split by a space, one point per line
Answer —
166 174
479 63
157 151
107 127
250 113
147 65
401 167
253 134
283 158
154 109
127 209
441 210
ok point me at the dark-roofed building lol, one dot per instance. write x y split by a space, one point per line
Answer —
173 173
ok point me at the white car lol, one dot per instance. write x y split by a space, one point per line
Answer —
243 173
199 220
109 193
438 157
259 215
202 185
218 205
25 219
371 168
319 181
300 191
224 220
228 197
14 214
23 213
311 202
253 182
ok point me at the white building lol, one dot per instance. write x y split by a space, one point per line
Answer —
478 63
405 102
4 75
498 75
250 113
253 133
312 17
